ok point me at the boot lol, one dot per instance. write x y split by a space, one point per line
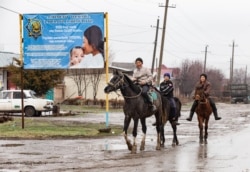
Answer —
195 103
216 117
190 116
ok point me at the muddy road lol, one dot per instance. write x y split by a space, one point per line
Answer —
227 149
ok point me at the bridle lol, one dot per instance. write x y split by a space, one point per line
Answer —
122 84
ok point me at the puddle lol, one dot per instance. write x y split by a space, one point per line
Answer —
11 145
32 153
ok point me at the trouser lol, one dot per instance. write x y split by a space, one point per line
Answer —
145 89
212 105
172 107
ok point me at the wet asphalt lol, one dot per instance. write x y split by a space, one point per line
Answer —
227 148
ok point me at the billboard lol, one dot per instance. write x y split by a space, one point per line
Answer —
63 40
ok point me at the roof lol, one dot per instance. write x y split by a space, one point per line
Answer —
173 71
6 58
123 65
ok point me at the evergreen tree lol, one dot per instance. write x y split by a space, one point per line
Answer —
38 80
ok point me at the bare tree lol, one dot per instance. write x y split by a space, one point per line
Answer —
81 79
215 77
95 78
190 72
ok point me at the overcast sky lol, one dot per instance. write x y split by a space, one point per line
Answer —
191 26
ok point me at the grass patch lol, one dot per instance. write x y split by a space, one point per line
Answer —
35 128
87 109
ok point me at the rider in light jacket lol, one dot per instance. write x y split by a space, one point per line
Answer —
144 78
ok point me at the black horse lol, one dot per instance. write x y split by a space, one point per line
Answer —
170 115
135 108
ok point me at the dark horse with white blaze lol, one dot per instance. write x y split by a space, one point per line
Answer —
135 108
203 112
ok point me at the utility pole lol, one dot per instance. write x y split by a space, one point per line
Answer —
156 38
232 64
245 75
230 71
162 41
205 61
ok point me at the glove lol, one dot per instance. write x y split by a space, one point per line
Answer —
197 96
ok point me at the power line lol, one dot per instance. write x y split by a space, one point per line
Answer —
131 42
9 10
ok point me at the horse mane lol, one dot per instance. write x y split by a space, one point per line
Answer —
133 86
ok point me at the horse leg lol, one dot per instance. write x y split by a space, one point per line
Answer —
127 120
134 147
206 132
175 139
162 135
159 124
201 130
144 130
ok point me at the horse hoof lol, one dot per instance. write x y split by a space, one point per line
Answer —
134 148
142 147
158 147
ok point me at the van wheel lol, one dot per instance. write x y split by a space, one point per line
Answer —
29 111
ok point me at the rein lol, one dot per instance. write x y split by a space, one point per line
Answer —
132 97
121 83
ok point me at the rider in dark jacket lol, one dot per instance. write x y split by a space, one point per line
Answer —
207 87
167 89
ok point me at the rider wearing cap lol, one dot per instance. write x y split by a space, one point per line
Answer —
203 83
144 78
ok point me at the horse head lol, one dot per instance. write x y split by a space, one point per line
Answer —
200 95
123 82
116 82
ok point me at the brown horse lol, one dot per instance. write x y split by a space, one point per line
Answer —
203 112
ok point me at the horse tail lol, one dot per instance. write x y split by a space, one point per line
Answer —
178 106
